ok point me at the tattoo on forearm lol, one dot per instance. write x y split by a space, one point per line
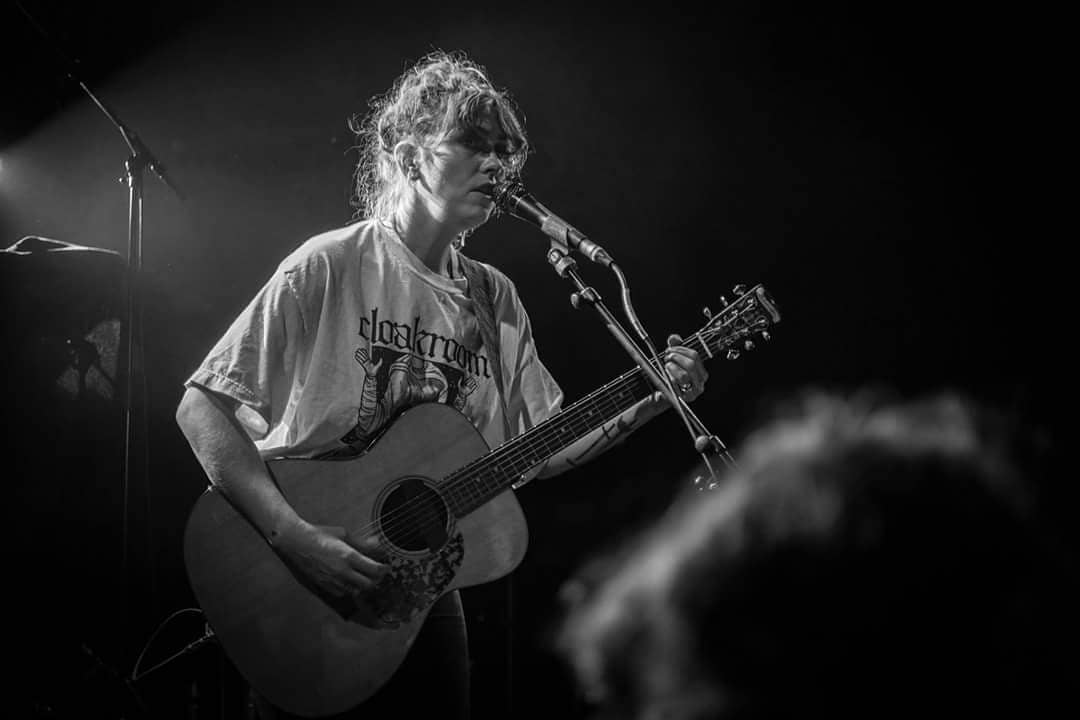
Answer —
610 434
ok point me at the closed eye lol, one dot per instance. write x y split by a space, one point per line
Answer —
478 142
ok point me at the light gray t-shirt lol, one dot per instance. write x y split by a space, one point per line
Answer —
351 329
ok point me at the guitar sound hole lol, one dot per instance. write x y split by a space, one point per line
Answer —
413 517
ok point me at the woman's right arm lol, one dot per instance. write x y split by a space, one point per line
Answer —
232 463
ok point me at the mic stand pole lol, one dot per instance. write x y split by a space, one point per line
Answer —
558 257
140 160
705 442
135 166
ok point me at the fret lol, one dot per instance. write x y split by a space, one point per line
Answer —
484 478
494 473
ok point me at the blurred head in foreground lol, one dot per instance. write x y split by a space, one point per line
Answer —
862 561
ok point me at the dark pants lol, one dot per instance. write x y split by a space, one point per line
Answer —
434 677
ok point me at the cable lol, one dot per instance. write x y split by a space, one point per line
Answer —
138 661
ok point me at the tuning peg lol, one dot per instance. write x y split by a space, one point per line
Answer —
732 354
766 336
708 312
749 344
738 289
723 301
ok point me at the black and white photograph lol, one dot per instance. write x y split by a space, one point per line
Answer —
389 360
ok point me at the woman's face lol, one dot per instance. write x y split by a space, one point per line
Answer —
459 174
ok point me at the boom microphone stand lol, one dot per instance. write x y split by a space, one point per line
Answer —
511 197
139 160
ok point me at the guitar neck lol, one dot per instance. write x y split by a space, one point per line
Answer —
481 480
478 482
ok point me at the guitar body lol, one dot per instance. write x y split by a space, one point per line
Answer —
443 510
300 649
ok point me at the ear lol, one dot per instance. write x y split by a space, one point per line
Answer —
405 157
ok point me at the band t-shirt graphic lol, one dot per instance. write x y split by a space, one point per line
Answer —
351 329
395 381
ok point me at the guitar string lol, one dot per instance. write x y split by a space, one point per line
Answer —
456 481
410 511
456 484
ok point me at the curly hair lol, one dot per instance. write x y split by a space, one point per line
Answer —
441 93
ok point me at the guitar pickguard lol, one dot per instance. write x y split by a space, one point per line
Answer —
414 584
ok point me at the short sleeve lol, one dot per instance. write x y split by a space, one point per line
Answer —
255 361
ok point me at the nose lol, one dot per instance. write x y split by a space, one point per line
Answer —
492 166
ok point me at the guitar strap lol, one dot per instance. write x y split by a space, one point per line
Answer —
482 291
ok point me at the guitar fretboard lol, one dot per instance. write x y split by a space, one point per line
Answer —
484 478
478 482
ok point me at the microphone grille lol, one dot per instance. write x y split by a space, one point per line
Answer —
507 193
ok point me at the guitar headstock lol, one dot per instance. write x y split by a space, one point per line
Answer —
736 327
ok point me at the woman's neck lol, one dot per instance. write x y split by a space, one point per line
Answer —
428 239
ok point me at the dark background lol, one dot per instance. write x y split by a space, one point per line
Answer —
883 173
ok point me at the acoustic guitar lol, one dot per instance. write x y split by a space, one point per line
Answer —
441 504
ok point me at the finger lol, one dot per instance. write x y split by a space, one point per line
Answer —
359 584
677 372
369 566
690 360
689 382
673 340
681 351
680 379
348 583
687 358
686 368
368 544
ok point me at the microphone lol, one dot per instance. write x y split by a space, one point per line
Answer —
512 198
